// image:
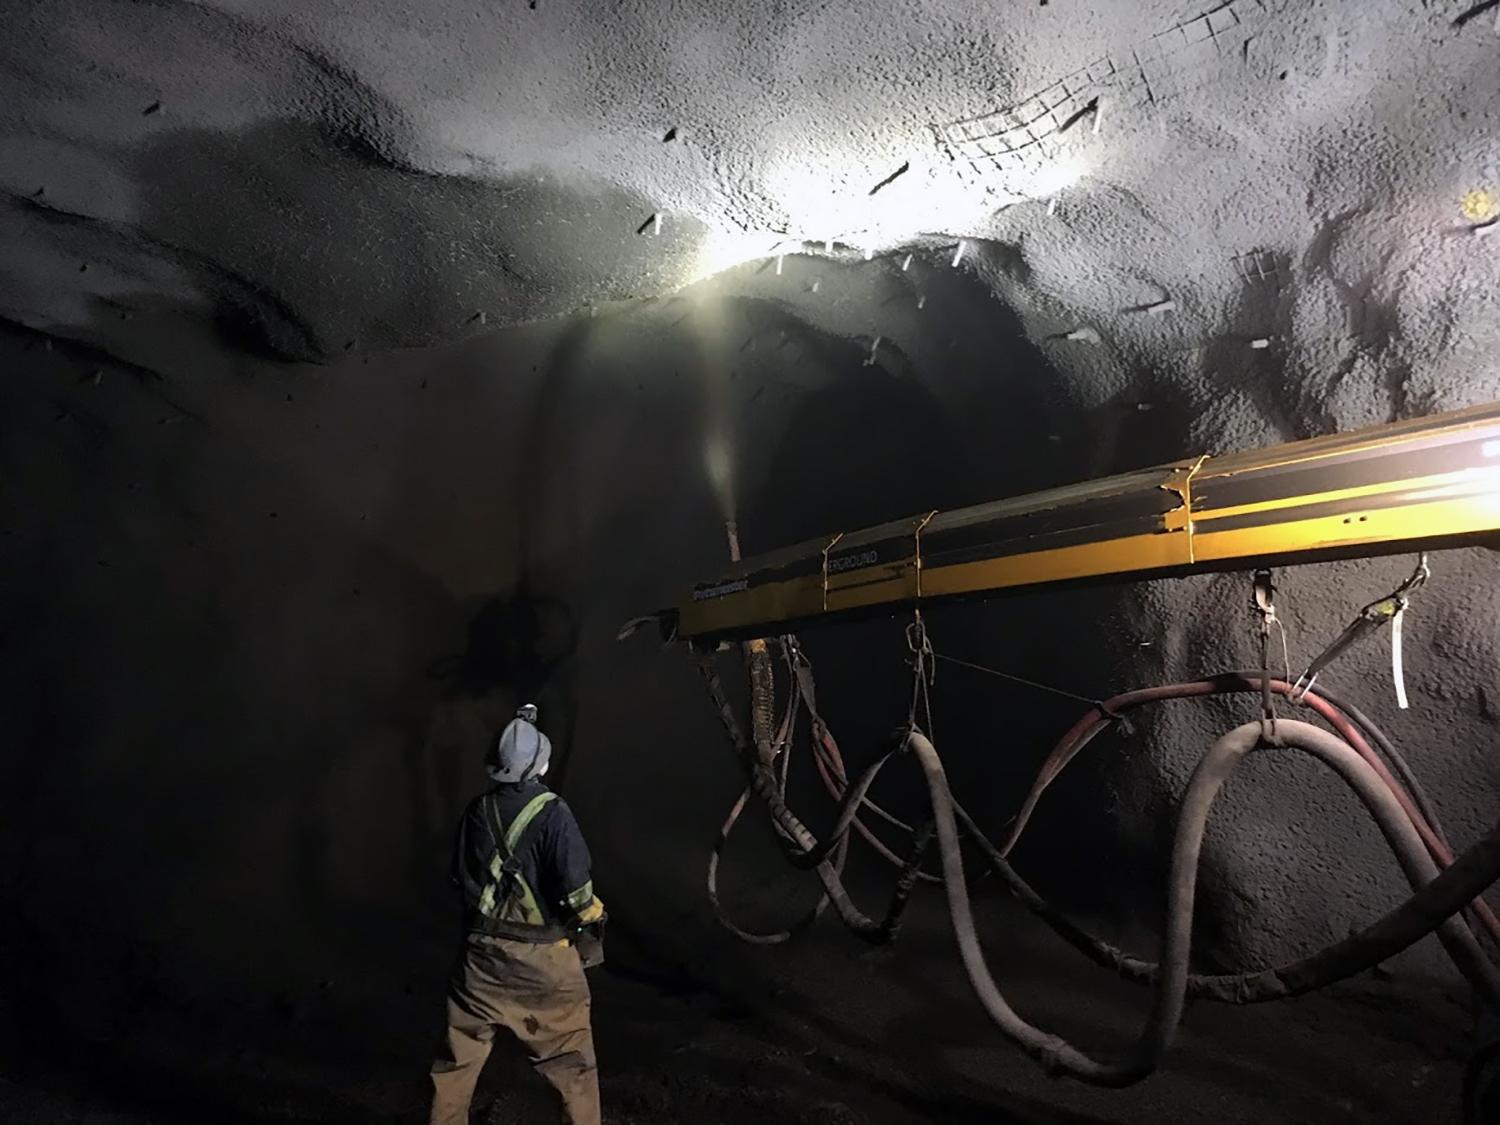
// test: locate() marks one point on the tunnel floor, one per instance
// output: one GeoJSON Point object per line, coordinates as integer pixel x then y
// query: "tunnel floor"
{"type": "Point", "coordinates": [757, 1036]}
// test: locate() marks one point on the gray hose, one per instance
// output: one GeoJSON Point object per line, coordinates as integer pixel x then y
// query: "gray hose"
{"type": "Point", "coordinates": [1393, 757]}
{"type": "Point", "coordinates": [880, 932]}
{"type": "Point", "coordinates": [762, 699]}
{"type": "Point", "coordinates": [849, 807]}
{"type": "Point", "coordinates": [1400, 928]}
{"type": "Point", "coordinates": [1056, 1054]}
{"type": "Point", "coordinates": [1433, 907]}
{"type": "Point", "coordinates": [796, 834]}
{"type": "Point", "coordinates": [1415, 860]}
{"type": "Point", "coordinates": [774, 937]}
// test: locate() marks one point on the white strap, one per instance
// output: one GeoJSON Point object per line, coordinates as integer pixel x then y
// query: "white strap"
{"type": "Point", "coordinates": [1397, 672]}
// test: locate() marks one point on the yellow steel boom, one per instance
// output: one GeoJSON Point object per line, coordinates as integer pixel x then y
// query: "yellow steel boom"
{"type": "Point", "coordinates": [1427, 483]}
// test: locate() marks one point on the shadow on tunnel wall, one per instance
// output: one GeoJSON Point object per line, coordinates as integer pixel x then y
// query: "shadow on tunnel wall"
{"type": "Point", "coordinates": [303, 721]}
{"type": "Point", "coordinates": [872, 446]}
{"type": "Point", "coordinates": [519, 648]}
{"type": "Point", "coordinates": [310, 240]}
{"type": "Point", "coordinates": [252, 713]}
{"type": "Point", "coordinates": [210, 661]}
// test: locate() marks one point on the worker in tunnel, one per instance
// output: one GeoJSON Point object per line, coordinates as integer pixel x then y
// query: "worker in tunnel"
{"type": "Point", "coordinates": [532, 925]}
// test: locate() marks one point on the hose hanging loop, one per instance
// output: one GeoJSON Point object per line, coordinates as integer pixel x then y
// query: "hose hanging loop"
{"type": "Point", "coordinates": [924, 672]}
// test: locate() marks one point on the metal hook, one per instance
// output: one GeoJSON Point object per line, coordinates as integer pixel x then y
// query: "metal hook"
{"type": "Point", "coordinates": [1367, 621]}
{"type": "Point", "coordinates": [1419, 576]}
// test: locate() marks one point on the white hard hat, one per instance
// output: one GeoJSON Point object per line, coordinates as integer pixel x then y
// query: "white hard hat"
{"type": "Point", "coordinates": [522, 752]}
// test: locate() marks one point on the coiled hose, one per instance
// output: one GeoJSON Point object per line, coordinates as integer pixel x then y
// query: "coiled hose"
{"type": "Point", "coordinates": [1432, 908]}
{"type": "Point", "coordinates": [1346, 958]}
{"type": "Point", "coordinates": [783, 745]}
{"type": "Point", "coordinates": [1394, 758]}
{"type": "Point", "coordinates": [762, 698]}
{"type": "Point", "coordinates": [828, 761]}
{"type": "Point", "coordinates": [799, 842]}
{"type": "Point", "coordinates": [1059, 1056]}
{"type": "Point", "coordinates": [1088, 727]}
{"type": "Point", "coordinates": [1397, 930]}
{"type": "Point", "coordinates": [830, 767]}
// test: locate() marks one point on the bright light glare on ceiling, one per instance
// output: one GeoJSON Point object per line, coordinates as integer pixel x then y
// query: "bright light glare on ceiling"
{"type": "Point", "coordinates": [823, 206]}
{"type": "Point", "coordinates": [724, 249]}
{"type": "Point", "coordinates": [1055, 176]}
{"type": "Point", "coordinates": [923, 200]}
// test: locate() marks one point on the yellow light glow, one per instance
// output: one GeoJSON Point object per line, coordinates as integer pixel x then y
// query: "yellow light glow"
{"type": "Point", "coordinates": [724, 249]}
{"type": "Point", "coordinates": [1478, 205]}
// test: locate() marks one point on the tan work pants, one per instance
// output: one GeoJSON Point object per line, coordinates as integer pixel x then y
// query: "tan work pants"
{"type": "Point", "coordinates": [537, 993]}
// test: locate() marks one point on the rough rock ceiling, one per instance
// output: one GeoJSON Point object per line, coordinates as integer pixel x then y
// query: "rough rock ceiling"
{"type": "Point", "coordinates": [1259, 219]}
{"type": "Point", "coordinates": [1293, 191]}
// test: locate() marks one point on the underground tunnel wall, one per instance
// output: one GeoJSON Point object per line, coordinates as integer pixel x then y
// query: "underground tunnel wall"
{"type": "Point", "coordinates": [261, 621]}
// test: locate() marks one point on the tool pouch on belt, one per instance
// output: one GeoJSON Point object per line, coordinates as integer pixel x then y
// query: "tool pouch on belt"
{"type": "Point", "coordinates": [589, 941]}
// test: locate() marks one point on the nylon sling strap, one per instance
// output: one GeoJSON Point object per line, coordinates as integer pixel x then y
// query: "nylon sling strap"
{"type": "Point", "coordinates": [506, 881]}
{"type": "Point", "coordinates": [1370, 619]}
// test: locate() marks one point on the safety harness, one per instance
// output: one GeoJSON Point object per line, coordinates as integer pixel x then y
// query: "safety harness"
{"type": "Point", "coordinates": [506, 898]}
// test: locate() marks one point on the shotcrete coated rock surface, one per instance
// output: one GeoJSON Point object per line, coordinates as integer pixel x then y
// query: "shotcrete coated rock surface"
{"type": "Point", "coordinates": [351, 394]}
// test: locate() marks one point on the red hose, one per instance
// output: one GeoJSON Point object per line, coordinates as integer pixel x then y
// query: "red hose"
{"type": "Point", "coordinates": [836, 781]}
{"type": "Point", "coordinates": [1083, 731]}
{"type": "Point", "coordinates": [1171, 978]}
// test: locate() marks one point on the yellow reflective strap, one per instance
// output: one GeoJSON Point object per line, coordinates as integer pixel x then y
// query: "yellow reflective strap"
{"type": "Point", "coordinates": [523, 819]}
{"type": "Point", "coordinates": [580, 898]}
{"type": "Point", "coordinates": [506, 848]}
{"type": "Point", "coordinates": [530, 912]}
